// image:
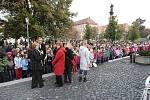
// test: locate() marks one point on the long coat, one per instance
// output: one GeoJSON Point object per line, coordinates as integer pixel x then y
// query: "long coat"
{"type": "Point", "coordinates": [68, 60]}
{"type": "Point", "coordinates": [35, 60]}
{"type": "Point", "coordinates": [84, 54]}
{"type": "Point", "coordinates": [59, 62]}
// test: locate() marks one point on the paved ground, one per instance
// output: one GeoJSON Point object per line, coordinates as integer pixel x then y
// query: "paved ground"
{"type": "Point", "coordinates": [117, 80]}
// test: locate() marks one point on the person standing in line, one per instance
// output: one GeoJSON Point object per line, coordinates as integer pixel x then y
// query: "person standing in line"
{"type": "Point", "coordinates": [10, 68]}
{"type": "Point", "coordinates": [132, 54]}
{"type": "Point", "coordinates": [24, 63]}
{"type": "Point", "coordinates": [36, 66]}
{"type": "Point", "coordinates": [59, 64]}
{"type": "Point", "coordinates": [84, 55]}
{"type": "Point", "coordinates": [18, 66]}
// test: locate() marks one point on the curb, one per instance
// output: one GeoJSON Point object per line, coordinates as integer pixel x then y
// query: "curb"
{"type": "Point", "coordinates": [22, 80]}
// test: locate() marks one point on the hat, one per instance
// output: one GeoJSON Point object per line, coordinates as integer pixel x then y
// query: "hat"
{"type": "Point", "coordinates": [9, 54]}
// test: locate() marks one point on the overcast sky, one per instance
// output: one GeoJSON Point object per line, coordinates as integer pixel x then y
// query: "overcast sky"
{"type": "Point", "coordinates": [126, 10]}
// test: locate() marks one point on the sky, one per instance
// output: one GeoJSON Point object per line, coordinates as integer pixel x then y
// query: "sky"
{"type": "Point", "coordinates": [126, 11]}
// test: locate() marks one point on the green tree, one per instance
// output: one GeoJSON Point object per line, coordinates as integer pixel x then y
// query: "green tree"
{"type": "Point", "coordinates": [47, 17]}
{"type": "Point", "coordinates": [139, 24]}
{"type": "Point", "coordinates": [134, 33]}
{"type": "Point", "coordinates": [94, 33]}
{"type": "Point", "coordinates": [113, 31]}
{"type": "Point", "coordinates": [90, 32]}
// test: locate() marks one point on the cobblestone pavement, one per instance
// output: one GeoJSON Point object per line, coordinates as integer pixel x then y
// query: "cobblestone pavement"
{"type": "Point", "coordinates": [119, 80]}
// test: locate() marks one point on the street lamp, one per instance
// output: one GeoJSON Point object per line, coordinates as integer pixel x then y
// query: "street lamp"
{"type": "Point", "coordinates": [30, 7]}
{"type": "Point", "coordinates": [27, 21]}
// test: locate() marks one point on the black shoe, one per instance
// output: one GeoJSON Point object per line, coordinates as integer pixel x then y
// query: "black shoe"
{"type": "Point", "coordinates": [65, 81]}
{"type": "Point", "coordinates": [84, 80]}
{"type": "Point", "coordinates": [43, 80]}
{"type": "Point", "coordinates": [80, 79]}
{"type": "Point", "coordinates": [56, 83]}
{"type": "Point", "coordinates": [41, 86]}
{"type": "Point", "coordinates": [32, 87]}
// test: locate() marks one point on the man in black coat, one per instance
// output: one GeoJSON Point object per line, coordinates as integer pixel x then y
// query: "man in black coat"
{"type": "Point", "coordinates": [68, 65]}
{"type": "Point", "coordinates": [36, 66]}
{"type": "Point", "coordinates": [42, 49]}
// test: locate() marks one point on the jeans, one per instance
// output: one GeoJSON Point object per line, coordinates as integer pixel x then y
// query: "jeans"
{"type": "Point", "coordinates": [83, 72]}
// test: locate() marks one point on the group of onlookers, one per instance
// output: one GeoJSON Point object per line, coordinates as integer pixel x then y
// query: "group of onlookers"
{"type": "Point", "coordinates": [62, 58]}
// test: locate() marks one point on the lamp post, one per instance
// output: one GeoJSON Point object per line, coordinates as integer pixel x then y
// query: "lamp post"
{"type": "Point", "coordinates": [27, 22]}
{"type": "Point", "coordinates": [27, 19]}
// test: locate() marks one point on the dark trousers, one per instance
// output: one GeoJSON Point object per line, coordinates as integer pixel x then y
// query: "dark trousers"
{"type": "Point", "coordinates": [59, 80]}
{"type": "Point", "coordinates": [2, 77]}
{"type": "Point", "coordinates": [24, 73]}
{"type": "Point", "coordinates": [11, 74]}
{"type": "Point", "coordinates": [132, 58]}
{"type": "Point", "coordinates": [68, 77]}
{"type": "Point", "coordinates": [37, 78]}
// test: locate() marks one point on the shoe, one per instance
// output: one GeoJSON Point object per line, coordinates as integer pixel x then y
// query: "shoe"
{"type": "Point", "coordinates": [56, 83]}
{"type": "Point", "coordinates": [65, 81]}
{"type": "Point", "coordinates": [41, 86]}
{"type": "Point", "coordinates": [84, 80]}
{"type": "Point", "coordinates": [80, 79]}
{"type": "Point", "coordinates": [32, 87]}
{"type": "Point", "coordinates": [43, 80]}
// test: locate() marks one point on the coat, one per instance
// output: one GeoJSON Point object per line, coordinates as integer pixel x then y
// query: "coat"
{"type": "Point", "coordinates": [59, 62]}
{"type": "Point", "coordinates": [35, 60]}
{"type": "Point", "coordinates": [68, 60]}
{"type": "Point", "coordinates": [84, 54]}
{"type": "Point", "coordinates": [17, 62]}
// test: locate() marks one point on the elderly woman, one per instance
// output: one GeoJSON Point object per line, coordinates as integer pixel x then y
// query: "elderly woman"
{"type": "Point", "coordinates": [36, 66]}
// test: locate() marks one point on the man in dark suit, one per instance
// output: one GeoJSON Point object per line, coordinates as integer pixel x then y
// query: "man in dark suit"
{"type": "Point", "coordinates": [42, 49]}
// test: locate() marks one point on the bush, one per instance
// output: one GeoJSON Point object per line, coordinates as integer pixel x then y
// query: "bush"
{"type": "Point", "coordinates": [3, 64]}
{"type": "Point", "coordinates": [144, 53]}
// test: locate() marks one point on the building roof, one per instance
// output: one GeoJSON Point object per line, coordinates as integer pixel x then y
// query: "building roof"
{"type": "Point", "coordinates": [85, 21]}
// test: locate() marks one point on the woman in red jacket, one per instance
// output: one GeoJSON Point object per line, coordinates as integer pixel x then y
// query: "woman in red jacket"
{"type": "Point", "coordinates": [59, 63]}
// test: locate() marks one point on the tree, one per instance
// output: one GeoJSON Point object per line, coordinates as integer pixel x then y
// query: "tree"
{"type": "Point", "coordinates": [113, 31]}
{"type": "Point", "coordinates": [147, 31]}
{"type": "Point", "coordinates": [134, 33]}
{"type": "Point", "coordinates": [139, 24]}
{"type": "Point", "coordinates": [90, 32]}
{"type": "Point", "coordinates": [47, 17]}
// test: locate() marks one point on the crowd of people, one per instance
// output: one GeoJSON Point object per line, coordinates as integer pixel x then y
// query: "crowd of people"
{"type": "Point", "coordinates": [61, 58]}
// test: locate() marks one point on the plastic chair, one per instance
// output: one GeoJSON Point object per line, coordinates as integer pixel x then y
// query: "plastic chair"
{"type": "Point", "coordinates": [146, 93]}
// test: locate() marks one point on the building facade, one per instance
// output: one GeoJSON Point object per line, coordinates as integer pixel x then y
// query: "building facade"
{"type": "Point", "coordinates": [81, 24]}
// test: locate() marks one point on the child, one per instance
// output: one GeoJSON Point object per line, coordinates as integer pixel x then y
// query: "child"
{"type": "Point", "coordinates": [18, 66]}
{"type": "Point", "coordinates": [24, 63]}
